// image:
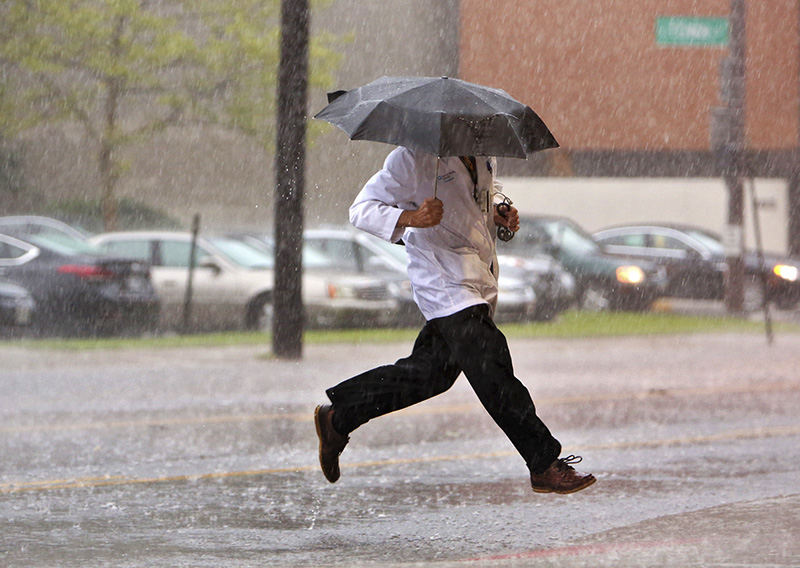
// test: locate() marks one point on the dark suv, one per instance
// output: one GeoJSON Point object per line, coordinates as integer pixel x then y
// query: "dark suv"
{"type": "Point", "coordinates": [604, 282]}
{"type": "Point", "coordinates": [696, 266]}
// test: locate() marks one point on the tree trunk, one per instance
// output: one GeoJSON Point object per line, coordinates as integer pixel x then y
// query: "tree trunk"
{"type": "Point", "coordinates": [108, 202]}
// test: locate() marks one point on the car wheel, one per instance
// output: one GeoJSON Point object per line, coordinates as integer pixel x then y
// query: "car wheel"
{"type": "Point", "coordinates": [595, 298]}
{"type": "Point", "coordinates": [753, 295]}
{"type": "Point", "coordinates": [260, 314]}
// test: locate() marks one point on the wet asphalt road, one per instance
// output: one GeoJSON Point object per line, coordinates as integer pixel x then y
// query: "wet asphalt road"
{"type": "Point", "coordinates": [207, 457]}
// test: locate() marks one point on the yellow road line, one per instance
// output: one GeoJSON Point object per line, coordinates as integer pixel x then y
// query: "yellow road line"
{"type": "Point", "coordinates": [105, 481]}
{"type": "Point", "coordinates": [425, 409]}
{"type": "Point", "coordinates": [191, 420]}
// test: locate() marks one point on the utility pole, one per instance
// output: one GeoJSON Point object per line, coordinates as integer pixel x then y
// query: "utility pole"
{"type": "Point", "coordinates": [728, 143]}
{"type": "Point", "coordinates": [793, 189]}
{"type": "Point", "coordinates": [287, 325]}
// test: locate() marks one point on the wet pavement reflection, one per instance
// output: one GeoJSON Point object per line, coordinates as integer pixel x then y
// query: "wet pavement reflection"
{"type": "Point", "coordinates": [186, 457]}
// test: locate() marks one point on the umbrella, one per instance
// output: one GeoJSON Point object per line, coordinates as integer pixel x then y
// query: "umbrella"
{"type": "Point", "coordinates": [439, 115]}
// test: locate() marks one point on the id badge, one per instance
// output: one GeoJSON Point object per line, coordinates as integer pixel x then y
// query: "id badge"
{"type": "Point", "coordinates": [483, 199]}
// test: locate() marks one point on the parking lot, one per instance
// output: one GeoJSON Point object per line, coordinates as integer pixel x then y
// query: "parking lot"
{"type": "Point", "coordinates": [201, 457]}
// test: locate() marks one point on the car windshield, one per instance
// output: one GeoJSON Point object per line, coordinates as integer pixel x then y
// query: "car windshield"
{"type": "Point", "coordinates": [312, 258]}
{"type": "Point", "coordinates": [242, 253]}
{"type": "Point", "coordinates": [568, 236]}
{"type": "Point", "coordinates": [60, 243]}
{"type": "Point", "coordinates": [315, 259]}
{"type": "Point", "coordinates": [711, 242]}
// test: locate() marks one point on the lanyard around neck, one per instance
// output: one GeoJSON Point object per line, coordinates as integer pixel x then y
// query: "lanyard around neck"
{"type": "Point", "coordinates": [472, 167]}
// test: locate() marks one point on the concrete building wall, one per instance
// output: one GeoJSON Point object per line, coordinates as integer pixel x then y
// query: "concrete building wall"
{"type": "Point", "coordinates": [595, 203]}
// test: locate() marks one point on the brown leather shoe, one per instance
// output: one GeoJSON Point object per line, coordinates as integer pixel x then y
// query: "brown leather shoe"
{"type": "Point", "coordinates": [331, 443]}
{"type": "Point", "coordinates": [561, 477]}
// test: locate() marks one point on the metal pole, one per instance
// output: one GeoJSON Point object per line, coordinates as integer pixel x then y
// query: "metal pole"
{"type": "Point", "coordinates": [187, 297]}
{"type": "Point", "coordinates": [734, 91]}
{"type": "Point", "coordinates": [287, 327]}
{"type": "Point", "coordinates": [793, 185]}
{"type": "Point", "coordinates": [761, 263]}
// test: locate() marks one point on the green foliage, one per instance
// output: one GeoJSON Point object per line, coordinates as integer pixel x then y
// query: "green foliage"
{"type": "Point", "coordinates": [11, 182]}
{"type": "Point", "coordinates": [242, 50]}
{"type": "Point", "coordinates": [79, 59]}
{"type": "Point", "coordinates": [127, 69]}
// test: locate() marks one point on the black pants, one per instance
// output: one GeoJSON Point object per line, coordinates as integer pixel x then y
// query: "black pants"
{"type": "Point", "coordinates": [467, 341]}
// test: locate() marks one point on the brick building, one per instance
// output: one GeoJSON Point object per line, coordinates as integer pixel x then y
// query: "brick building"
{"type": "Point", "coordinates": [624, 98]}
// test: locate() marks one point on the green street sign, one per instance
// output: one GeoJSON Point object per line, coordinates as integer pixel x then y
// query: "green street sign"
{"type": "Point", "coordinates": [684, 30]}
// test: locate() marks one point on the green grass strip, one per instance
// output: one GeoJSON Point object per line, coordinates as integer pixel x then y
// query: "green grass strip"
{"type": "Point", "coordinates": [571, 324]}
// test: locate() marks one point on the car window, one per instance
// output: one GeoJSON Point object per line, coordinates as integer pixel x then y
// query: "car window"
{"type": "Point", "coordinates": [711, 242]}
{"type": "Point", "coordinates": [313, 258]}
{"type": "Point", "coordinates": [176, 253]}
{"type": "Point", "coordinates": [8, 251]}
{"type": "Point", "coordinates": [570, 238]}
{"type": "Point", "coordinates": [667, 242]}
{"type": "Point", "coordinates": [239, 253]}
{"type": "Point", "coordinates": [632, 240]}
{"type": "Point", "coordinates": [369, 258]}
{"type": "Point", "coordinates": [130, 249]}
{"type": "Point", "coordinates": [341, 251]}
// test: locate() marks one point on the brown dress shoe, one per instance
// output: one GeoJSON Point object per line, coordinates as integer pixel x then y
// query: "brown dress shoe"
{"type": "Point", "coordinates": [561, 477]}
{"type": "Point", "coordinates": [331, 443]}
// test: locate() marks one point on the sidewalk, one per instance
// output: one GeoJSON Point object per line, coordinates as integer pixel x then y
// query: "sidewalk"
{"type": "Point", "coordinates": [716, 308]}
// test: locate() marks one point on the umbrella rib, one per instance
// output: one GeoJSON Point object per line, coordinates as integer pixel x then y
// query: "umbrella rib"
{"type": "Point", "coordinates": [501, 96]}
{"type": "Point", "coordinates": [421, 85]}
{"type": "Point", "coordinates": [463, 90]}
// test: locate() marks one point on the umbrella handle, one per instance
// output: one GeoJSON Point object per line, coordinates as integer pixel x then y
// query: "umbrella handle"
{"type": "Point", "coordinates": [436, 180]}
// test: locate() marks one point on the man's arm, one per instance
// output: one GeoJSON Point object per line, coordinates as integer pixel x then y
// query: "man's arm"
{"type": "Point", "coordinates": [383, 207]}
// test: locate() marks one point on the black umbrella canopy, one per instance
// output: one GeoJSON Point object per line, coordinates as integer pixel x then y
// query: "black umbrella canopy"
{"type": "Point", "coordinates": [439, 115]}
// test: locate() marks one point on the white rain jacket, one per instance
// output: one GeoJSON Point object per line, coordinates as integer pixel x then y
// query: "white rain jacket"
{"type": "Point", "coordinates": [453, 265]}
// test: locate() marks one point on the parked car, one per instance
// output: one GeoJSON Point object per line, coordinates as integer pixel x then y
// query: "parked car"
{"type": "Point", "coordinates": [365, 254]}
{"type": "Point", "coordinates": [20, 225]}
{"type": "Point", "coordinates": [16, 308]}
{"type": "Point", "coordinates": [357, 250]}
{"type": "Point", "coordinates": [555, 286]}
{"type": "Point", "coordinates": [317, 263]}
{"type": "Point", "coordinates": [77, 288]}
{"type": "Point", "coordinates": [233, 283]}
{"type": "Point", "coordinates": [603, 281]}
{"type": "Point", "coordinates": [694, 259]}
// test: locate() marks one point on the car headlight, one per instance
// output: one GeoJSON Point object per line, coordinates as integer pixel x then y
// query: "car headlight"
{"type": "Point", "coordinates": [630, 275]}
{"type": "Point", "coordinates": [785, 271]}
{"type": "Point", "coordinates": [341, 291]}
